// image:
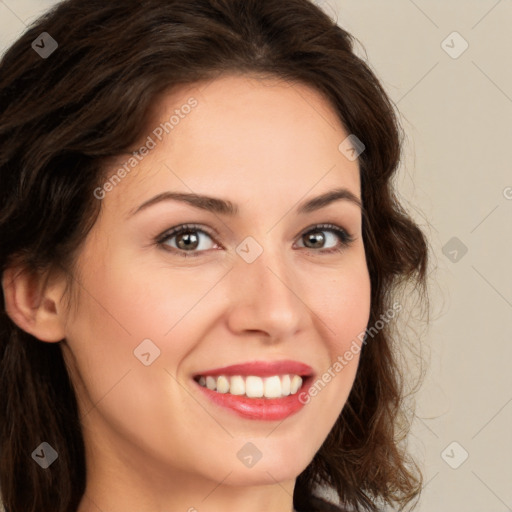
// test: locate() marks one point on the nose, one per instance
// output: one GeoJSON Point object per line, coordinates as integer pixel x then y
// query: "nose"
{"type": "Point", "coordinates": [265, 296]}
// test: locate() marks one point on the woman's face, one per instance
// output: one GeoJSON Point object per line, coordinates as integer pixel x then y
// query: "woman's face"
{"type": "Point", "coordinates": [258, 285]}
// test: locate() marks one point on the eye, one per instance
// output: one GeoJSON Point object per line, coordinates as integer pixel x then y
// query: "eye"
{"type": "Point", "coordinates": [317, 239]}
{"type": "Point", "coordinates": [187, 239]}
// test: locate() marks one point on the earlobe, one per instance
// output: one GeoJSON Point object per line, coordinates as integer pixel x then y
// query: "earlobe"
{"type": "Point", "coordinates": [33, 303]}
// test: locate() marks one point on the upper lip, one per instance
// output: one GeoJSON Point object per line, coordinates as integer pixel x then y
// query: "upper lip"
{"type": "Point", "coordinates": [262, 369]}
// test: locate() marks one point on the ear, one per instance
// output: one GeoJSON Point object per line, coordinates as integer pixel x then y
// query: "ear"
{"type": "Point", "coordinates": [34, 303]}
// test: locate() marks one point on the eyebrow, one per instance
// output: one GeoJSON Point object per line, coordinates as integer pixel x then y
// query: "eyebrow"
{"type": "Point", "coordinates": [225, 207]}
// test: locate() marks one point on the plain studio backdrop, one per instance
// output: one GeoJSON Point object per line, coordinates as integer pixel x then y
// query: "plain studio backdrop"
{"type": "Point", "coordinates": [447, 67]}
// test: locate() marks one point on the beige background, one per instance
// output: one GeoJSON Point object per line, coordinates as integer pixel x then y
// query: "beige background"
{"type": "Point", "coordinates": [457, 177]}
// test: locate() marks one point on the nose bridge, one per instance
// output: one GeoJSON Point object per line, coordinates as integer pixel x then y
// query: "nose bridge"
{"type": "Point", "coordinates": [266, 296]}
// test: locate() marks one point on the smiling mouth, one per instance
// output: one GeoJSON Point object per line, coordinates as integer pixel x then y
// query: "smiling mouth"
{"type": "Point", "coordinates": [252, 386]}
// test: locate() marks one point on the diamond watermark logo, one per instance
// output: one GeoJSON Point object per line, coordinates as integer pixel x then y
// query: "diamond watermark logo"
{"type": "Point", "coordinates": [454, 45]}
{"type": "Point", "coordinates": [44, 45]}
{"type": "Point", "coordinates": [45, 455]}
{"type": "Point", "coordinates": [249, 250]}
{"type": "Point", "coordinates": [351, 147]}
{"type": "Point", "coordinates": [249, 455]}
{"type": "Point", "coordinates": [454, 250]}
{"type": "Point", "coordinates": [146, 352]}
{"type": "Point", "coordinates": [454, 455]}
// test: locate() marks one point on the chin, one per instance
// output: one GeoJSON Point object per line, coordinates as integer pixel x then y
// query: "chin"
{"type": "Point", "coordinates": [273, 466]}
{"type": "Point", "coordinates": [266, 475]}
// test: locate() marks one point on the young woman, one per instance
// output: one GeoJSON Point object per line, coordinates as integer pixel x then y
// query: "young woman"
{"type": "Point", "coordinates": [200, 249]}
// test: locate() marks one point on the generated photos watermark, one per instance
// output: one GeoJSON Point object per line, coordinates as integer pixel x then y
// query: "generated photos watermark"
{"type": "Point", "coordinates": [157, 135]}
{"type": "Point", "coordinates": [343, 360]}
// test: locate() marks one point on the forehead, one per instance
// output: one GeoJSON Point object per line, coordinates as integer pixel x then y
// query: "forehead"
{"type": "Point", "coordinates": [237, 135]}
{"type": "Point", "coordinates": [240, 106]}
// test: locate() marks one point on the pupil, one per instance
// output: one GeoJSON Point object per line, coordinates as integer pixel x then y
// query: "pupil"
{"type": "Point", "coordinates": [319, 237]}
{"type": "Point", "coordinates": [185, 240]}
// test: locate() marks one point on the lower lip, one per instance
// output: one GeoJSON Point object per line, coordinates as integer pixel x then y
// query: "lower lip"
{"type": "Point", "coordinates": [267, 409]}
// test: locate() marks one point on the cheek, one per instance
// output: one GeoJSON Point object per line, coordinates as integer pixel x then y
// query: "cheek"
{"type": "Point", "coordinates": [344, 309]}
{"type": "Point", "coordinates": [349, 314]}
{"type": "Point", "coordinates": [121, 307]}
{"type": "Point", "coordinates": [108, 339]}
{"type": "Point", "coordinates": [133, 302]}
{"type": "Point", "coordinates": [344, 305]}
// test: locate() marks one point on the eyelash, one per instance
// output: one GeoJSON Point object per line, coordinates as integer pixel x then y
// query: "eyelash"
{"type": "Point", "coordinates": [345, 237]}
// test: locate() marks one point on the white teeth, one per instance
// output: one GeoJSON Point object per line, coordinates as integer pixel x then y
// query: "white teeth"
{"type": "Point", "coordinates": [276, 386]}
{"type": "Point", "coordinates": [254, 387]}
{"type": "Point", "coordinates": [272, 387]}
{"type": "Point", "coordinates": [237, 385]}
{"type": "Point", "coordinates": [285, 385]}
{"type": "Point", "coordinates": [211, 383]}
{"type": "Point", "coordinates": [222, 384]}
{"type": "Point", "coordinates": [295, 384]}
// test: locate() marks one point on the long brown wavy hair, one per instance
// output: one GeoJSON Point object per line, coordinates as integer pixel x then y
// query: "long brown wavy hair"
{"type": "Point", "coordinates": [62, 116]}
